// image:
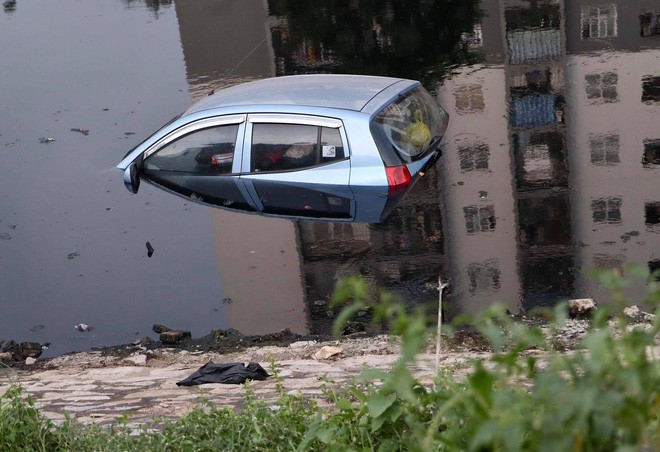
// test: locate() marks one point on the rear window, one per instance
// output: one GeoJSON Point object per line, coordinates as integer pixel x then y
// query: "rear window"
{"type": "Point", "coordinates": [408, 126]}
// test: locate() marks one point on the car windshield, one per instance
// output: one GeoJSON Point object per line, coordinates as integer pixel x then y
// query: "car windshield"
{"type": "Point", "coordinates": [411, 123]}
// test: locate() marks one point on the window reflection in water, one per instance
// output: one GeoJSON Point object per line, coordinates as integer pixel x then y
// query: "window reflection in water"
{"type": "Point", "coordinates": [599, 21]}
{"type": "Point", "coordinates": [651, 89]}
{"type": "Point", "coordinates": [651, 155]}
{"type": "Point", "coordinates": [479, 219]}
{"type": "Point", "coordinates": [609, 261]}
{"type": "Point", "coordinates": [543, 220]}
{"type": "Point", "coordinates": [484, 276]}
{"type": "Point", "coordinates": [606, 210]}
{"type": "Point", "coordinates": [604, 149]}
{"type": "Point", "coordinates": [533, 34]}
{"type": "Point", "coordinates": [601, 88]}
{"type": "Point", "coordinates": [649, 24]}
{"type": "Point", "coordinates": [540, 159]}
{"type": "Point", "coordinates": [547, 278]}
{"type": "Point", "coordinates": [469, 99]}
{"type": "Point", "coordinates": [473, 39]}
{"type": "Point", "coordinates": [473, 157]}
{"type": "Point", "coordinates": [652, 214]}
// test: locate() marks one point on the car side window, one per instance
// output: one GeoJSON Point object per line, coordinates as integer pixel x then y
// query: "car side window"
{"type": "Point", "coordinates": [208, 151]}
{"type": "Point", "coordinates": [284, 147]}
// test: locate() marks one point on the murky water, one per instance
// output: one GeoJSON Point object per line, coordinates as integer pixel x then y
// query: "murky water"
{"type": "Point", "coordinates": [551, 161]}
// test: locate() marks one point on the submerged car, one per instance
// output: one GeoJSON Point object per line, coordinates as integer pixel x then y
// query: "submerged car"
{"type": "Point", "coordinates": [334, 147]}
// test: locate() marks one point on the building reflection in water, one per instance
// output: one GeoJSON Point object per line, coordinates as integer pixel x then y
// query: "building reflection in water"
{"type": "Point", "coordinates": [551, 161]}
{"type": "Point", "coordinates": [258, 257]}
{"type": "Point", "coordinates": [613, 66]}
{"type": "Point", "coordinates": [581, 125]}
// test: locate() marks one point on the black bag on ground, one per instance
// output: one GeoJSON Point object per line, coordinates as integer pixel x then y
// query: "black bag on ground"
{"type": "Point", "coordinates": [230, 373]}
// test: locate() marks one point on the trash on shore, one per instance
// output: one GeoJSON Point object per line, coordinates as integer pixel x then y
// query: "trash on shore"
{"type": "Point", "coordinates": [327, 352]}
{"type": "Point", "coordinates": [230, 373]}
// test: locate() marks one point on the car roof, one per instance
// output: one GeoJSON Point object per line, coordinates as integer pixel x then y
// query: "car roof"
{"type": "Point", "coordinates": [348, 92]}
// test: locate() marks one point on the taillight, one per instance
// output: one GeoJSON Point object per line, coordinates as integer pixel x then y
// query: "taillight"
{"type": "Point", "coordinates": [398, 177]}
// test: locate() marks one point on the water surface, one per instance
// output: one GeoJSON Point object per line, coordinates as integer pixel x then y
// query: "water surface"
{"type": "Point", "coordinates": [551, 161]}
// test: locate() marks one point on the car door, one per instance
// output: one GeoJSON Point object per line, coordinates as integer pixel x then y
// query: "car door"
{"type": "Point", "coordinates": [201, 161]}
{"type": "Point", "coordinates": [298, 165]}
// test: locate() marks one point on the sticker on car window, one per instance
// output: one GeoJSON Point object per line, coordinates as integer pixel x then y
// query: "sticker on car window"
{"type": "Point", "coordinates": [329, 151]}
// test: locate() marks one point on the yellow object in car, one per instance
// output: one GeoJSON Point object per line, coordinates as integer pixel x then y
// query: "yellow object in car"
{"type": "Point", "coordinates": [418, 133]}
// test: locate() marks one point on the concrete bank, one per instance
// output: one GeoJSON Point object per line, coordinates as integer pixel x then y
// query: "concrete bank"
{"type": "Point", "coordinates": [97, 388]}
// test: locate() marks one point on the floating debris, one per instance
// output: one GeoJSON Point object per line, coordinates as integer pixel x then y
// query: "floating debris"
{"type": "Point", "coordinates": [226, 300]}
{"type": "Point", "coordinates": [73, 255]}
{"type": "Point", "coordinates": [36, 328]}
{"type": "Point", "coordinates": [4, 236]}
{"type": "Point", "coordinates": [46, 140]}
{"type": "Point", "coordinates": [150, 249]}
{"type": "Point", "coordinates": [83, 131]}
{"type": "Point", "coordinates": [129, 133]}
{"type": "Point", "coordinates": [83, 327]}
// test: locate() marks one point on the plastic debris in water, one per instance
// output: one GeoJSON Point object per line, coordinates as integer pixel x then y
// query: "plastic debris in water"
{"type": "Point", "coordinates": [73, 255]}
{"type": "Point", "coordinates": [46, 140]}
{"type": "Point", "coordinates": [150, 249]}
{"type": "Point", "coordinates": [83, 327]}
{"type": "Point", "coordinates": [83, 131]}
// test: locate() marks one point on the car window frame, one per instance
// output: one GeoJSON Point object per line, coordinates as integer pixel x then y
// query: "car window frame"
{"type": "Point", "coordinates": [292, 119]}
{"type": "Point", "coordinates": [201, 124]}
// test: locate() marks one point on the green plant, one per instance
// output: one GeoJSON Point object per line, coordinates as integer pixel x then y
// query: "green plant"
{"type": "Point", "coordinates": [601, 397]}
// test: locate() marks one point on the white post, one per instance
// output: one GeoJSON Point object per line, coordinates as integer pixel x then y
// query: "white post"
{"type": "Point", "coordinates": [441, 287]}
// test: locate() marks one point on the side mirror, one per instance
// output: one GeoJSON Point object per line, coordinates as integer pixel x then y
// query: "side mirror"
{"type": "Point", "coordinates": [132, 178]}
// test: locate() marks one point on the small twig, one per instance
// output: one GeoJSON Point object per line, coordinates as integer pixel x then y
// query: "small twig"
{"type": "Point", "coordinates": [441, 287]}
